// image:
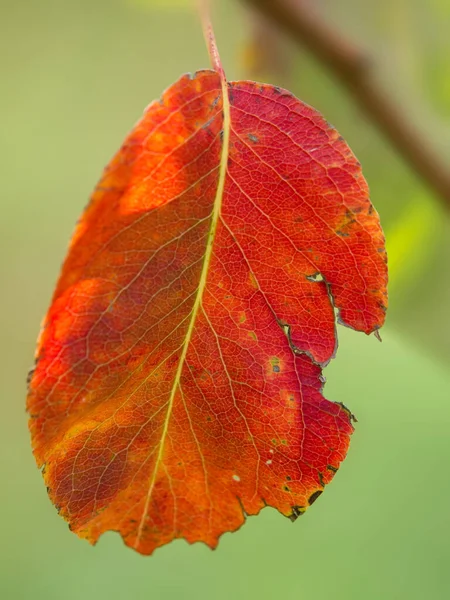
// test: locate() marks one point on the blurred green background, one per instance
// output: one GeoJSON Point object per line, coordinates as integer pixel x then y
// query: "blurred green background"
{"type": "Point", "coordinates": [75, 77]}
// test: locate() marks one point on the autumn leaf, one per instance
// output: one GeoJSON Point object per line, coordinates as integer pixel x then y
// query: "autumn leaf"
{"type": "Point", "coordinates": [178, 383]}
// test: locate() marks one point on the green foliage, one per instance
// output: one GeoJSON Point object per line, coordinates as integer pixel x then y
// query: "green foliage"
{"type": "Point", "coordinates": [162, 5]}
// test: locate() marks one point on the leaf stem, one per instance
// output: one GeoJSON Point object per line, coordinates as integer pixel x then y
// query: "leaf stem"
{"type": "Point", "coordinates": [210, 38]}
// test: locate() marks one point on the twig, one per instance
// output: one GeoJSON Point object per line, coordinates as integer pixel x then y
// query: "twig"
{"type": "Point", "coordinates": [353, 69]}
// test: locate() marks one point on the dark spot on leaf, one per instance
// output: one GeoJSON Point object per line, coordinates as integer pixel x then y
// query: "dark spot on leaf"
{"type": "Point", "coordinates": [208, 123]}
{"type": "Point", "coordinates": [332, 469]}
{"type": "Point", "coordinates": [241, 505]}
{"type": "Point", "coordinates": [286, 489]}
{"type": "Point", "coordinates": [297, 511]}
{"type": "Point", "coordinates": [288, 478]}
{"type": "Point", "coordinates": [30, 375]}
{"type": "Point", "coordinates": [253, 138]}
{"type": "Point", "coordinates": [348, 411]}
{"type": "Point", "coordinates": [276, 369]}
{"type": "Point", "coordinates": [341, 233]}
{"type": "Point", "coordinates": [314, 497]}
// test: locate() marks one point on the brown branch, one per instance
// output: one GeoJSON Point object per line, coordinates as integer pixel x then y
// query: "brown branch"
{"type": "Point", "coordinates": [352, 68]}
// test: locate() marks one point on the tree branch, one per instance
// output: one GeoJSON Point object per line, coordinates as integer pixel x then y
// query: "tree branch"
{"type": "Point", "coordinates": [353, 69]}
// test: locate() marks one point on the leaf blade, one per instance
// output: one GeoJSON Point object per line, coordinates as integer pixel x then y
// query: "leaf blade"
{"type": "Point", "coordinates": [178, 386]}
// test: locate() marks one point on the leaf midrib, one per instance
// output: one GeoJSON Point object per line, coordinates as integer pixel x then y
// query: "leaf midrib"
{"type": "Point", "coordinates": [198, 299]}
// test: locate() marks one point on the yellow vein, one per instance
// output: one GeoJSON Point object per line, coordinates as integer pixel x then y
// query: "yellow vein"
{"type": "Point", "coordinates": [202, 284]}
{"type": "Point", "coordinates": [202, 457]}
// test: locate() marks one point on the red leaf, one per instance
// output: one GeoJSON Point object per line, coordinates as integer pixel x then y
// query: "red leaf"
{"type": "Point", "coordinates": [177, 385]}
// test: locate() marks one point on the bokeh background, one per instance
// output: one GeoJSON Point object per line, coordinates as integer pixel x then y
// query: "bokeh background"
{"type": "Point", "coordinates": [75, 76]}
